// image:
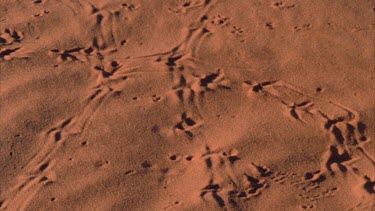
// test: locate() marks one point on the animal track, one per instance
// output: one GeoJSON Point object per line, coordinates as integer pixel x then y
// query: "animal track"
{"type": "Point", "coordinates": [307, 207]}
{"type": "Point", "coordinates": [74, 54]}
{"type": "Point", "coordinates": [188, 5]}
{"type": "Point", "coordinates": [226, 186]}
{"type": "Point", "coordinates": [337, 158]}
{"type": "Point", "coordinates": [369, 185]}
{"type": "Point", "coordinates": [174, 157]}
{"type": "Point", "coordinates": [220, 21]}
{"type": "Point", "coordinates": [192, 88]}
{"type": "Point", "coordinates": [296, 108]}
{"type": "Point", "coordinates": [281, 177]}
{"type": "Point", "coordinates": [315, 192]}
{"type": "Point", "coordinates": [108, 69]}
{"type": "Point", "coordinates": [9, 36]}
{"type": "Point", "coordinates": [42, 13]}
{"type": "Point", "coordinates": [236, 31]}
{"type": "Point", "coordinates": [40, 167]}
{"type": "Point", "coordinates": [39, 1]}
{"type": "Point", "coordinates": [11, 53]}
{"type": "Point", "coordinates": [130, 7]}
{"type": "Point", "coordinates": [269, 25]}
{"type": "Point", "coordinates": [103, 27]}
{"type": "Point", "coordinates": [282, 5]}
{"type": "Point", "coordinates": [229, 189]}
{"type": "Point", "coordinates": [344, 131]}
{"type": "Point", "coordinates": [303, 27]}
{"type": "Point", "coordinates": [186, 124]}
{"type": "Point", "coordinates": [315, 177]}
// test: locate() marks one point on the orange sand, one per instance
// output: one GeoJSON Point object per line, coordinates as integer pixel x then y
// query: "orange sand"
{"type": "Point", "coordinates": [187, 105]}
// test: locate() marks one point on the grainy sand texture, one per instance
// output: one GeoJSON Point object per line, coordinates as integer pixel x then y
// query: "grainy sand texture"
{"type": "Point", "coordinates": [187, 105]}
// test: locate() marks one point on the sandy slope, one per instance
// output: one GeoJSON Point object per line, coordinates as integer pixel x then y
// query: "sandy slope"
{"type": "Point", "coordinates": [187, 105]}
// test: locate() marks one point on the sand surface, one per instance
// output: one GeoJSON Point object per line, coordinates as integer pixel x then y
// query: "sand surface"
{"type": "Point", "coordinates": [187, 105]}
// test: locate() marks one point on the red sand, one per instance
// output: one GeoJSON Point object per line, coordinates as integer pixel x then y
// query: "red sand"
{"type": "Point", "coordinates": [187, 105]}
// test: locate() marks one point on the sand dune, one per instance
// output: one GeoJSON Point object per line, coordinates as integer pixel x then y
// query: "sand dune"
{"type": "Point", "coordinates": [187, 105]}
